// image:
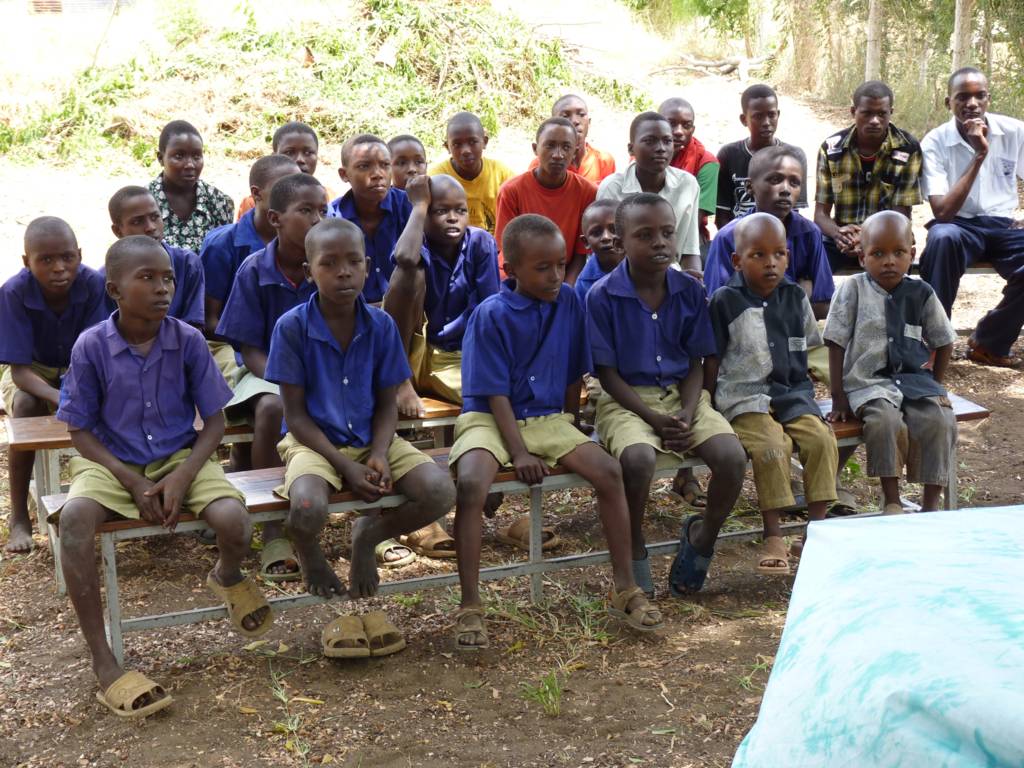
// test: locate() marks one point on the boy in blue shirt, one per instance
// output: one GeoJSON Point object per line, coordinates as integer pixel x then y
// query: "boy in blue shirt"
{"type": "Point", "coordinates": [130, 399]}
{"type": "Point", "coordinates": [524, 356]}
{"type": "Point", "coordinates": [764, 326]}
{"type": "Point", "coordinates": [133, 211]}
{"type": "Point", "coordinates": [373, 205]}
{"type": "Point", "coordinates": [43, 309]}
{"type": "Point", "coordinates": [338, 362]}
{"type": "Point", "coordinates": [268, 284]}
{"type": "Point", "coordinates": [598, 227]}
{"type": "Point", "coordinates": [649, 332]}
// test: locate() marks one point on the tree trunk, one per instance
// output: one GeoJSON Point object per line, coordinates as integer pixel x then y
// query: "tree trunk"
{"type": "Point", "coordinates": [873, 54]}
{"type": "Point", "coordinates": [963, 28]}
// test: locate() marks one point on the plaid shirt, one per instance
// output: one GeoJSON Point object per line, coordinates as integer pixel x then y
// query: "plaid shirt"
{"type": "Point", "coordinates": [855, 194]}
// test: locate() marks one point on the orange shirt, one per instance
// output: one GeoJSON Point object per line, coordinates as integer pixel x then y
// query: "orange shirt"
{"type": "Point", "coordinates": [594, 166]}
{"type": "Point", "coordinates": [248, 203]}
{"type": "Point", "coordinates": [564, 206]}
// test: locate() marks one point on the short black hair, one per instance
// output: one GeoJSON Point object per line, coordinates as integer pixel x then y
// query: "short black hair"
{"type": "Point", "coordinates": [757, 91]}
{"type": "Point", "coordinates": [746, 223]}
{"type": "Point", "coordinates": [176, 128]}
{"type": "Point", "coordinates": [604, 203]}
{"type": "Point", "coordinates": [523, 227]}
{"type": "Point", "coordinates": [881, 217]}
{"type": "Point", "coordinates": [560, 121]}
{"type": "Point", "coordinates": [329, 227]}
{"type": "Point", "coordinates": [266, 166]}
{"type": "Point", "coordinates": [123, 252]}
{"type": "Point", "coordinates": [47, 225]}
{"type": "Point", "coordinates": [963, 71]}
{"type": "Point", "coordinates": [464, 118]}
{"type": "Point", "coordinates": [293, 126]}
{"type": "Point", "coordinates": [355, 141]}
{"type": "Point", "coordinates": [873, 89]}
{"type": "Point", "coordinates": [645, 117]}
{"type": "Point", "coordinates": [285, 190]}
{"type": "Point", "coordinates": [115, 207]}
{"type": "Point", "coordinates": [566, 97]}
{"type": "Point", "coordinates": [765, 159]}
{"type": "Point", "coordinates": [402, 137]}
{"type": "Point", "coordinates": [676, 102]}
{"type": "Point", "coordinates": [641, 199]}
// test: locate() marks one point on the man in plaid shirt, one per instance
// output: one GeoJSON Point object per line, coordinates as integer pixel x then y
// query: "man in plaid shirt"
{"type": "Point", "coordinates": [869, 167]}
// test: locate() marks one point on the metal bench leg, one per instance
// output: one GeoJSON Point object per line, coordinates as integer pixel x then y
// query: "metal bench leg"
{"type": "Point", "coordinates": [438, 434]}
{"type": "Point", "coordinates": [536, 543]}
{"type": "Point", "coordinates": [113, 598]}
{"type": "Point", "coordinates": [46, 472]}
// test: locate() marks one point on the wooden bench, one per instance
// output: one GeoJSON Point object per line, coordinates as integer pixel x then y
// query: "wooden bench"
{"type": "Point", "coordinates": [258, 488]}
{"type": "Point", "coordinates": [49, 437]}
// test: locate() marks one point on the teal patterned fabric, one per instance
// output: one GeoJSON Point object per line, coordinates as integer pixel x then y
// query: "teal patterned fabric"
{"type": "Point", "coordinates": [903, 647]}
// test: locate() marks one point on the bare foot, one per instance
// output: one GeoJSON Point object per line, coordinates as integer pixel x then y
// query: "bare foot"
{"type": "Point", "coordinates": [320, 578]}
{"type": "Point", "coordinates": [20, 539]}
{"type": "Point", "coordinates": [362, 575]}
{"type": "Point", "coordinates": [409, 404]}
{"type": "Point", "coordinates": [228, 578]}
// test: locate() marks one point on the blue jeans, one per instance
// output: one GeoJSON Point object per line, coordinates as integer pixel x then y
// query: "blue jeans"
{"type": "Point", "coordinates": [952, 247]}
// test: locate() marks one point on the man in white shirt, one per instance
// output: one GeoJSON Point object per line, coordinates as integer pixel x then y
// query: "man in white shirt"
{"type": "Point", "coordinates": [971, 166]}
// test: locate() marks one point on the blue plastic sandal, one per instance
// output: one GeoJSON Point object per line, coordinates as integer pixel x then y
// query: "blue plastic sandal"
{"type": "Point", "coordinates": [689, 569]}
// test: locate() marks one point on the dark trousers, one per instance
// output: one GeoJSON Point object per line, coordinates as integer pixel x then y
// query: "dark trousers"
{"type": "Point", "coordinates": [952, 247]}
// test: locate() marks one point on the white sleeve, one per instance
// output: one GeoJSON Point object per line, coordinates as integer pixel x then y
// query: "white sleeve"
{"type": "Point", "coordinates": [934, 178]}
{"type": "Point", "coordinates": [689, 238]}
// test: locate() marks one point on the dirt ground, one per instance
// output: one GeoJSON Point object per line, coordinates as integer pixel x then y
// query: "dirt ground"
{"type": "Point", "coordinates": [685, 697]}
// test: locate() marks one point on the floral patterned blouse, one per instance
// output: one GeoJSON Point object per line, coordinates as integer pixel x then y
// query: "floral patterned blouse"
{"type": "Point", "coordinates": [213, 208]}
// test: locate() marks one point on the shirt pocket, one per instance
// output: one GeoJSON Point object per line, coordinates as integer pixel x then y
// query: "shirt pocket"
{"type": "Point", "coordinates": [1006, 166]}
{"type": "Point", "coordinates": [912, 331]}
{"type": "Point", "coordinates": [797, 344]}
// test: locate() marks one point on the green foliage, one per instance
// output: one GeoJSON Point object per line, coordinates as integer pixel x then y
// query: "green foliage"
{"type": "Point", "coordinates": [396, 66]}
{"type": "Point", "coordinates": [547, 692]}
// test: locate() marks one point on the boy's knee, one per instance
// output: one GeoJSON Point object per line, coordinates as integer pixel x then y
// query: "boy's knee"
{"type": "Point", "coordinates": [944, 234]}
{"type": "Point", "coordinates": [25, 405]}
{"type": "Point", "coordinates": [268, 410]}
{"type": "Point", "coordinates": [471, 488]}
{"type": "Point", "coordinates": [607, 473]}
{"type": "Point", "coordinates": [77, 524]}
{"type": "Point", "coordinates": [637, 462]}
{"type": "Point", "coordinates": [307, 512]}
{"type": "Point", "coordinates": [726, 458]}
{"type": "Point", "coordinates": [230, 520]}
{"type": "Point", "coordinates": [437, 491]}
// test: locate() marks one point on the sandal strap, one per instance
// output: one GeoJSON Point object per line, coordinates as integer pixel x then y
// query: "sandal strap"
{"type": "Point", "coordinates": [344, 628]}
{"type": "Point", "coordinates": [378, 626]}
{"type": "Point", "coordinates": [129, 687]}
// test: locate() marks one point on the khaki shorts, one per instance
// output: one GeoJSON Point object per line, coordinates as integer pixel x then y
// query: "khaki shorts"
{"type": "Point", "coordinates": [620, 428]}
{"type": "Point", "coordinates": [224, 356]}
{"type": "Point", "coordinates": [434, 371]}
{"type": "Point", "coordinates": [817, 364]}
{"type": "Point", "coordinates": [90, 480]}
{"type": "Point", "coordinates": [8, 389]}
{"type": "Point", "coordinates": [548, 437]}
{"type": "Point", "coordinates": [302, 460]}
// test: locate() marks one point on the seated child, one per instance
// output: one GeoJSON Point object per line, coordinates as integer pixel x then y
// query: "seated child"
{"type": "Point", "coordinates": [649, 332]}
{"type": "Point", "coordinates": [268, 284]}
{"type": "Point", "coordinates": [299, 143]}
{"type": "Point", "coordinates": [408, 159]}
{"type": "Point", "coordinates": [373, 205]}
{"type": "Point", "coordinates": [130, 399]}
{"type": "Point", "coordinates": [551, 191]}
{"type": "Point", "coordinates": [763, 328]}
{"type": "Point", "coordinates": [338, 362]}
{"type": "Point", "coordinates": [760, 116]}
{"type": "Point", "coordinates": [133, 211]}
{"type": "Point", "coordinates": [691, 156]}
{"type": "Point", "coordinates": [189, 206]}
{"type": "Point", "coordinates": [588, 161]}
{"type": "Point", "coordinates": [481, 177]}
{"type": "Point", "coordinates": [880, 332]}
{"type": "Point", "coordinates": [525, 353]}
{"type": "Point", "coordinates": [43, 309]}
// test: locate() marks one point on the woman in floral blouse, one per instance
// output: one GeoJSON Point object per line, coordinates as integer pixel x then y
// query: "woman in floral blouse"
{"type": "Point", "coordinates": [190, 207]}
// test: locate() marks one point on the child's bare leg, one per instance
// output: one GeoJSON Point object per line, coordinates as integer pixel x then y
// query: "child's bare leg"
{"type": "Point", "coordinates": [404, 302]}
{"type": "Point", "coordinates": [307, 515]}
{"type": "Point", "coordinates": [268, 412]}
{"type": "Point", "coordinates": [727, 461]}
{"type": "Point", "coordinates": [20, 462]}
{"type": "Point", "coordinates": [890, 490]}
{"type": "Point", "coordinates": [476, 470]}
{"type": "Point", "coordinates": [430, 493]}
{"type": "Point", "coordinates": [930, 497]}
{"type": "Point", "coordinates": [597, 467]}
{"type": "Point", "coordinates": [637, 463]}
{"type": "Point", "coordinates": [230, 521]}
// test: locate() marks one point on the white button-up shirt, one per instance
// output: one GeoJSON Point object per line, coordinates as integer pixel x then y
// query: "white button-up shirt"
{"type": "Point", "coordinates": [947, 156]}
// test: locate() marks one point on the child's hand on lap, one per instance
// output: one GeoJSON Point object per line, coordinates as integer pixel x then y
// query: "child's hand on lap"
{"type": "Point", "coordinates": [840, 409]}
{"type": "Point", "coordinates": [530, 469]}
{"type": "Point", "coordinates": [149, 506]}
{"type": "Point", "coordinates": [362, 480]}
{"type": "Point", "coordinates": [170, 492]}
{"type": "Point", "coordinates": [379, 466]}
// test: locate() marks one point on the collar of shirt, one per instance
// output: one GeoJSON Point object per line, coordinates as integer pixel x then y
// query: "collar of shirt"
{"type": "Point", "coordinates": [620, 282]}
{"type": "Point", "coordinates": [951, 136]}
{"type": "Point", "coordinates": [34, 298]}
{"type": "Point", "coordinates": [245, 233]}
{"type": "Point", "coordinates": [429, 258]}
{"type": "Point", "coordinates": [268, 271]}
{"type": "Point", "coordinates": [514, 300]}
{"type": "Point", "coordinates": [345, 206]}
{"type": "Point", "coordinates": [319, 330]}
{"type": "Point", "coordinates": [630, 185]}
{"type": "Point", "coordinates": [880, 290]}
{"type": "Point", "coordinates": [116, 343]}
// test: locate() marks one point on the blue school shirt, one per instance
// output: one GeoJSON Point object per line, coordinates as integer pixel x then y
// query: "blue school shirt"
{"type": "Point", "coordinates": [189, 286]}
{"type": "Point", "coordinates": [223, 251]}
{"type": "Point", "coordinates": [589, 275]}
{"type": "Point", "coordinates": [340, 386]}
{"type": "Point", "coordinates": [32, 332]}
{"type": "Point", "coordinates": [260, 295]}
{"type": "Point", "coordinates": [141, 408]}
{"type": "Point", "coordinates": [649, 348]}
{"type": "Point", "coordinates": [807, 259]}
{"type": "Point", "coordinates": [527, 350]}
{"type": "Point", "coordinates": [397, 209]}
{"type": "Point", "coordinates": [453, 292]}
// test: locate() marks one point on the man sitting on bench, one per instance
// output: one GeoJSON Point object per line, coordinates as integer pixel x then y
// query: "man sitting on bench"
{"type": "Point", "coordinates": [971, 167]}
